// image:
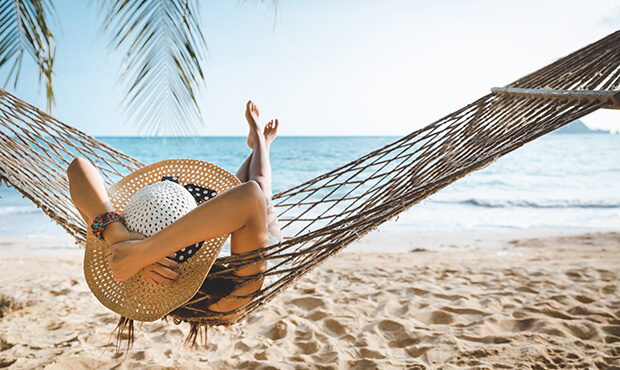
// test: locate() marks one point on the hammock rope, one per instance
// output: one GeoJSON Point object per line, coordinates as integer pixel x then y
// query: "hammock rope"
{"type": "Point", "coordinates": [324, 215]}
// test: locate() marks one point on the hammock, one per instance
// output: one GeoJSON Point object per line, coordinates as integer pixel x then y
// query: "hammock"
{"type": "Point", "coordinates": [324, 215]}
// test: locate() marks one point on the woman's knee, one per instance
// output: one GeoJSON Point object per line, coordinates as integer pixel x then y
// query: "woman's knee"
{"type": "Point", "coordinates": [263, 184]}
{"type": "Point", "coordinates": [252, 193]}
{"type": "Point", "coordinates": [252, 190]}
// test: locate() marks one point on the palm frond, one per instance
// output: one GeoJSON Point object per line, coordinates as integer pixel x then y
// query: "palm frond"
{"type": "Point", "coordinates": [275, 4]}
{"type": "Point", "coordinates": [24, 31]}
{"type": "Point", "coordinates": [161, 71]}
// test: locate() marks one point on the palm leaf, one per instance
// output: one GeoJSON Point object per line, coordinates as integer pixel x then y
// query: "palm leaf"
{"type": "Point", "coordinates": [161, 71]}
{"type": "Point", "coordinates": [276, 4]}
{"type": "Point", "coordinates": [24, 32]}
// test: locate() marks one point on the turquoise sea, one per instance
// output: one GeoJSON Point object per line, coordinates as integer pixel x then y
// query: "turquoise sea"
{"type": "Point", "coordinates": [558, 182]}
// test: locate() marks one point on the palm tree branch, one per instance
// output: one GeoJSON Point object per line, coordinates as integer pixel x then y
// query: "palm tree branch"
{"type": "Point", "coordinates": [25, 31]}
{"type": "Point", "coordinates": [162, 66]}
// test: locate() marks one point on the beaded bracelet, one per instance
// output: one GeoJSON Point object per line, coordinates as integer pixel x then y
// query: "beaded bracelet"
{"type": "Point", "coordinates": [100, 222]}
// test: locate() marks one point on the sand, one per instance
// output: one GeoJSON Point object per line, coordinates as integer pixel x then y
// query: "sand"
{"type": "Point", "coordinates": [483, 301]}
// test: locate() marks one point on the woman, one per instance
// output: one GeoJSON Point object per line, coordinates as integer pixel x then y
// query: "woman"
{"type": "Point", "coordinates": [245, 211]}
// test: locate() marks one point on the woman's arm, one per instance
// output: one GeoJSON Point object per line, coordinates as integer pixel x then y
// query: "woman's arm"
{"type": "Point", "coordinates": [239, 211]}
{"type": "Point", "coordinates": [90, 197]}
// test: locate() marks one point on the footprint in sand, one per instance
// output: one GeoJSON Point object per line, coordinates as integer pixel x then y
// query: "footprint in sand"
{"type": "Point", "coordinates": [416, 291]}
{"type": "Point", "coordinates": [4, 345]}
{"type": "Point", "coordinates": [518, 325]}
{"type": "Point", "coordinates": [435, 317]}
{"type": "Point", "coordinates": [56, 326]}
{"type": "Point", "coordinates": [260, 356]}
{"type": "Point", "coordinates": [334, 327]}
{"type": "Point", "coordinates": [278, 331]}
{"type": "Point", "coordinates": [303, 334]}
{"type": "Point", "coordinates": [550, 312]}
{"type": "Point", "coordinates": [106, 318]}
{"type": "Point", "coordinates": [609, 289]}
{"type": "Point", "coordinates": [525, 289]}
{"type": "Point", "coordinates": [610, 340]}
{"type": "Point", "coordinates": [613, 330]}
{"type": "Point", "coordinates": [582, 329]}
{"type": "Point", "coordinates": [309, 347]}
{"type": "Point", "coordinates": [584, 298]}
{"type": "Point", "coordinates": [396, 334]}
{"type": "Point", "coordinates": [330, 357]}
{"type": "Point", "coordinates": [369, 353]}
{"type": "Point", "coordinates": [64, 291]}
{"type": "Point", "coordinates": [561, 298]}
{"type": "Point", "coordinates": [407, 307]}
{"type": "Point", "coordinates": [308, 303]}
{"type": "Point", "coordinates": [579, 276]}
{"type": "Point", "coordinates": [606, 275]}
{"type": "Point", "coordinates": [249, 344]}
{"type": "Point", "coordinates": [465, 311]}
{"type": "Point", "coordinates": [6, 362]}
{"type": "Point", "coordinates": [139, 356]}
{"type": "Point", "coordinates": [479, 353]}
{"type": "Point", "coordinates": [317, 315]}
{"type": "Point", "coordinates": [585, 311]}
{"type": "Point", "coordinates": [492, 339]}
{"type": "Point", "coordinates": [450, 297]}
{"type": "Point", "coordinates": [364, 364]}
{"type": "Point", "coordinates": [417, 351]}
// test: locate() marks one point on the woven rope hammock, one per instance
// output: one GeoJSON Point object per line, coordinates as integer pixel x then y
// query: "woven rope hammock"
{"type": "Point", "coordinates": [324, 215]}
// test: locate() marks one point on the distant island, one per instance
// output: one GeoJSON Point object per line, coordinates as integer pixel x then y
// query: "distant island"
{"type": "Point", "coordinates": [578, 127]}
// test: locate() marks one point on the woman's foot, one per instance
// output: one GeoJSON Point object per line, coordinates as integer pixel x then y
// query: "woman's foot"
{"type": "Point", "coordinates": [270, 132]}
{"type": "Point", "coordinates": [251, 114]}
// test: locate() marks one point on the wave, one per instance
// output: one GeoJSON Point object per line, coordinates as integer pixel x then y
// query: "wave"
{"type": "Point", "coordinates": [502, 203]}
{"type": "Point", "coordinates": [18, 210]}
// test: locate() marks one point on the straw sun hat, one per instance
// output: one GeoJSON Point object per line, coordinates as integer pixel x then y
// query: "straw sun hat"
{"type": "Point", "coordinates": [149, 204]}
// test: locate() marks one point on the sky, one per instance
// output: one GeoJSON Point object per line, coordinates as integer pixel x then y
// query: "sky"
{"type": "Point", "coordinates": [325, 67]}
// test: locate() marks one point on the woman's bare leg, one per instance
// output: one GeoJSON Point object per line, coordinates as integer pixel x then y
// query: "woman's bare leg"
{"type": "Point", "coordinates": [259, 168]}
{"type": "Point", "coordinates": [269, 133]}
{"type": "Point", "coordinates": [256, 168]}
{"type": "Point", "coordinates": [242, 172]}
{"type": "Point", "coordinates": [91, 199]}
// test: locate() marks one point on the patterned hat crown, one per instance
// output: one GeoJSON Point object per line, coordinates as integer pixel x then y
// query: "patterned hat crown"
{"type": "Point", "coordinates": [156, 206]}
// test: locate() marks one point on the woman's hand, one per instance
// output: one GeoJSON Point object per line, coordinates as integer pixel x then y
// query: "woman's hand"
{"type": "Point", "coordinates": [127, 258]}
{"type": "Point", "coordinates": [161, 272]}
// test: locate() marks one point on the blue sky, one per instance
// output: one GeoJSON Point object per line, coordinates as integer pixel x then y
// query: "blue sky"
{"type": "Point", "coordinates": [347, 67]}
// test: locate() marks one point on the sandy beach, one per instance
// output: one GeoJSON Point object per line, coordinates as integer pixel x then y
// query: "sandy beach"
{"type": "Point", "coordinates": [485, 301]}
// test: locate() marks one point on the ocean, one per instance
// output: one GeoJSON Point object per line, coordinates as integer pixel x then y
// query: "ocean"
{"type": "Point", "coordinates": [558, 182]}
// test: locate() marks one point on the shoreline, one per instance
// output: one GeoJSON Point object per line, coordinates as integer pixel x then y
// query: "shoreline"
{"type": "Point", "coordinates": [536, 299]}
{"type": "Point", "coordinates": [397, 240]}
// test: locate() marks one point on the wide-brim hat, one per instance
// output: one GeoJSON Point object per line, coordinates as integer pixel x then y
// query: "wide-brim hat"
{"type": "Point", "coordinates": [138, 298]}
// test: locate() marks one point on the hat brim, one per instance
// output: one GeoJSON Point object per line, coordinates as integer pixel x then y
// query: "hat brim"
{"type": "Point", "coordinates": [137, 298]}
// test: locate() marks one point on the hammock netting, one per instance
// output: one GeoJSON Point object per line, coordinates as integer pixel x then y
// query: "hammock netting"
{"type": "Point", "coordinates": [324, 215]}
